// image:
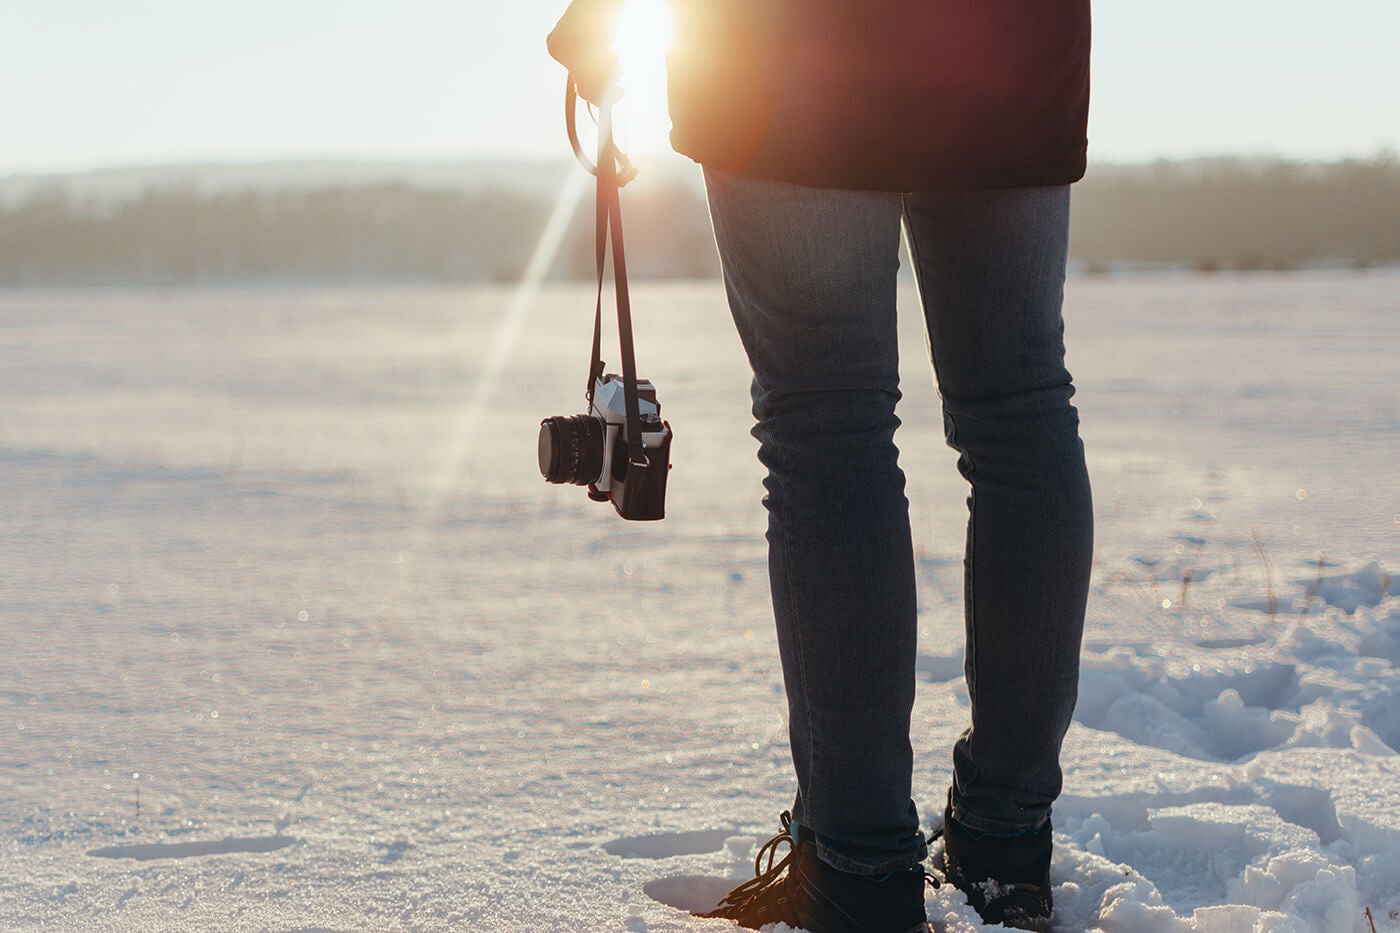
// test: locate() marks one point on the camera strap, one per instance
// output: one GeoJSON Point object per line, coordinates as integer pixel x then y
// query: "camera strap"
{"type": "Point", "coordinates": [612, 170]}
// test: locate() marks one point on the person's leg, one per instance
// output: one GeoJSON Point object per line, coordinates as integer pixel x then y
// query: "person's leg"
{"type": "Point", "coordinates": [811, 277]}
{"type": "Point", "coordinates": [990, 267]}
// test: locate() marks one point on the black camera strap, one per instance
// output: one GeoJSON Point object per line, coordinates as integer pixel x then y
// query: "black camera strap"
{"type": "Point", "coordinates": [612, 171]}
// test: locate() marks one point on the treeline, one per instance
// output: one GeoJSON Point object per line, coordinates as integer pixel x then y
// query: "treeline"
{"type": "Point", "coordinates": [1224, 214]}
{"type": "Point", "coordinates": [363, 234]}
{"type": "Point", "coordinates": [1236, 214]}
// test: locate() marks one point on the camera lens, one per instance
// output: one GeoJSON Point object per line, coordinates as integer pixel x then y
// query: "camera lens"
{"type": "Point", "coordinates": [571, 449]}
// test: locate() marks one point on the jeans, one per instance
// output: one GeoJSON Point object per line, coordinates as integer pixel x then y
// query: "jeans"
{"type": "Point", "coordinates": [811, 277]}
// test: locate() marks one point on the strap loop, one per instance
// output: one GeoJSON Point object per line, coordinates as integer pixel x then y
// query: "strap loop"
{"type": "Point", "coordinates": [625, 170]}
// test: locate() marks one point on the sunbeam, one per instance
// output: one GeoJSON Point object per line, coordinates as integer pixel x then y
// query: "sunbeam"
{"type": "Point", "coordinates": [517, 313]}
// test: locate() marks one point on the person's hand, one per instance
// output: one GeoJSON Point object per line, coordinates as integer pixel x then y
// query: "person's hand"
{"type": "Point", "coordinates": [582, 43]}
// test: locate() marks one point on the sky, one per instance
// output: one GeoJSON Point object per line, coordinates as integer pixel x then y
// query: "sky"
{"type": "Point", "coordinates": [92, 83]}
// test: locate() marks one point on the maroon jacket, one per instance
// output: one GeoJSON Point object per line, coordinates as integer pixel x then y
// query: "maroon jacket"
{"type": "Point", "coordinates": [893, 95]}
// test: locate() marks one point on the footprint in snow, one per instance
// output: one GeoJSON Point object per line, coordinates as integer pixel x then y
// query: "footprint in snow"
{"type": "Point", "coordinates": [694, 894]}
{"type": "Point", "coordinates": [1199, 847]}
{"type": "Point", "coordinates": [939, 668]}
{"type": "Point", "coordinates": [1225, 642]}
{"type": "Point", "coordinates": [1304, 807]}
{"type": "Point", "coordinates": [690, 893]}
{"type": "Point", "coordinates": [669, 845]}
{"type": "Point", "coordinates": [160, 850]}
{"type": "Point", "coordinates": [1218, 715]}
{"type": "Point", "coordinates": [1364, 588]}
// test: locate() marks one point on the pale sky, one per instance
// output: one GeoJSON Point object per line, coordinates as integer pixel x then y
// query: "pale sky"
{"type": "Point", "coordinates": [90, 83]}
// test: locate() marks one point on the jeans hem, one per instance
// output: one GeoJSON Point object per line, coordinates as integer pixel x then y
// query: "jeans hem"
{"type": "Point", "coordinates": [851, 866]}
{"type": "Point", "coordinates": [979, 824]}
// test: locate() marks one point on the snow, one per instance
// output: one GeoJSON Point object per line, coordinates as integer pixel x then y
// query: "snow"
{"type": "Point", "coordinates": [297, 639]}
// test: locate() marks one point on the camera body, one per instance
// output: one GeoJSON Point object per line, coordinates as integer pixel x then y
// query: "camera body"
{"type": "Point", "coordinates": [592, 450]}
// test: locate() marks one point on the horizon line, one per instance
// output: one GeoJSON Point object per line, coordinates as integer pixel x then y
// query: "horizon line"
{"type": "Point", "coordinates": [1381, 153]}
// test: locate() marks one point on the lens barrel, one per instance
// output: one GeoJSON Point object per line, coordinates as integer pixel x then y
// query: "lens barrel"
{"type": "Point", "coordinates": [571, 449]}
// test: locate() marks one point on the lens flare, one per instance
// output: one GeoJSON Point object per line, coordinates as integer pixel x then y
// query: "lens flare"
{"type": "Point", "coordinates": [643, 37]}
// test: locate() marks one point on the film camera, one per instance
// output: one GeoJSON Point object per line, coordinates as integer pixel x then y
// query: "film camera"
{"type": "Point", "coordinates": [596, 450]}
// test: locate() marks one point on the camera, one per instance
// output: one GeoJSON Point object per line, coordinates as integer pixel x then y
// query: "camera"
{"type": "Point", "coordinates": [593, 450]}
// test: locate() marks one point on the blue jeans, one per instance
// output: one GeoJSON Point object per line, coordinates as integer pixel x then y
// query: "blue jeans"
{"type": "Point", "coordinates": [811, 276]}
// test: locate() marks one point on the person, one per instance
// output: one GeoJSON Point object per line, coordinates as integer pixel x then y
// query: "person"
{"type": "Point", "coordinates": [824, 130]}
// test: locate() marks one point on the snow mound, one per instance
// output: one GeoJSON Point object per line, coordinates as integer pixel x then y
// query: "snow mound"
{"type": "Point", "coordinates": [1351, 591]}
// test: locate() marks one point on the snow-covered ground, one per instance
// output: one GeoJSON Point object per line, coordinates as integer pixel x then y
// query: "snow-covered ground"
{"type": "Point", "coordinates": [295, 637]}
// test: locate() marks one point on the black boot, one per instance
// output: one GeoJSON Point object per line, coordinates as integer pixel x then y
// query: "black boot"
{"type": "Point", "coordinates": [1006, 879]}
{"type": "Point", "coordinates": [804, 892]}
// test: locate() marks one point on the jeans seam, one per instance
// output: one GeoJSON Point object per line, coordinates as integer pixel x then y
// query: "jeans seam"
{"type": "Point", "coordinates": [797, 642]}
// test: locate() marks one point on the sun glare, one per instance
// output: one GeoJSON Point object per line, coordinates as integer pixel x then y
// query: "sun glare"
{"type": "Point", "coordinates": [643, 37]}
{"type": "Point", "coordinates": [458, 453]}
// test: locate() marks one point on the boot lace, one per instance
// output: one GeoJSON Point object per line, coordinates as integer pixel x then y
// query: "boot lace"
{"type": "Point", "coordinates": [770, 875]}
{"type": "Point", "coordinates": [767, 878]}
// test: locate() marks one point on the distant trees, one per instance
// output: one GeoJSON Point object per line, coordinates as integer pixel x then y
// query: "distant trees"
{"type": "Point", "coordinates": [1218, 214]}
{"type": "Point", "coordinates": [384, 233]}
{"type": "Point", "coordinates": [666, 232]}
{"type": "Point", "coordinates": [1240, 214]}
{"type": "Point", "coordinates": [371, 233]}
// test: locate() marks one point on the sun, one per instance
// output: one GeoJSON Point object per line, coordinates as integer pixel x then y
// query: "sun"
{"type": "Point", "coordinates": [642, 39]}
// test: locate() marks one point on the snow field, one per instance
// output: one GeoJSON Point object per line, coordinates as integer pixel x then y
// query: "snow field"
{"type": "Point", "coordinates": [296, 639]}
